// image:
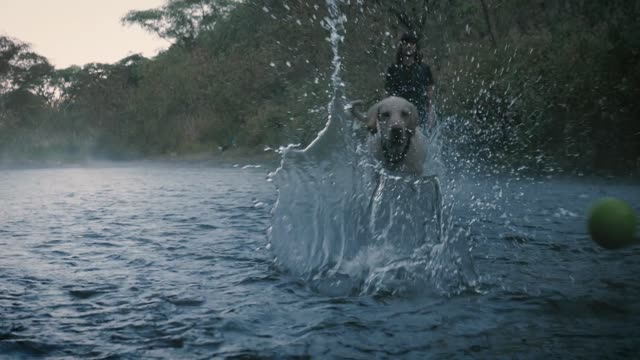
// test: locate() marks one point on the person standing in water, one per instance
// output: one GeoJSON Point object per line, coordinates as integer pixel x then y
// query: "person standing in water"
{"type": "Point", "coordinates": [410, 78]}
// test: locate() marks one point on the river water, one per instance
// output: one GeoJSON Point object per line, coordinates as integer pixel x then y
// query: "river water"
{"type": "Point", "coordinates": [170, 260]}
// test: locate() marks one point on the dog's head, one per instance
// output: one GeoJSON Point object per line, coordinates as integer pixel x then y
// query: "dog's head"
{"type": "Point", "coordinates": [396, 121]}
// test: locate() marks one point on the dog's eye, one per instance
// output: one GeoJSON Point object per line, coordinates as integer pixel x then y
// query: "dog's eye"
{"type": "Point", "coordinates": [405, 113]}
{"type": "Point", "coordinates": [385, 115]}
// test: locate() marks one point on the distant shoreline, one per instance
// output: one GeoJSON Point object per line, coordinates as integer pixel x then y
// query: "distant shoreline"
{"type": "Point", "coordinates": [239, 157]}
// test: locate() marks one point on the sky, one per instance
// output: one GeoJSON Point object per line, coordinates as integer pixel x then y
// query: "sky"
{"type": "Point", "coordinates": [76, 32]}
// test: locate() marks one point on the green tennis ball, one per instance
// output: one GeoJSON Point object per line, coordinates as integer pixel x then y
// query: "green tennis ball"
{"type": "Point", "coordinates": [611, 223]}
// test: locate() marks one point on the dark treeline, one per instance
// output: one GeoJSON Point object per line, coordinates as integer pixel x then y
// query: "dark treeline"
{"type": "Point", "coordinates": [529, 83]}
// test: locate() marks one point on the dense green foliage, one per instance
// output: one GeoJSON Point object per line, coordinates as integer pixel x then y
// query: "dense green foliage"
{"type": "Point", "coordinates": [528, 83]}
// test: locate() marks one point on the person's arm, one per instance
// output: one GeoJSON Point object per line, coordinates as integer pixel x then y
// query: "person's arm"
{"type": "Point", "coordinates": [429, 95]}
{"type": "Point", "coordinates": [388, 82]}
{"type": "Point", "coordinates": [429, 85]}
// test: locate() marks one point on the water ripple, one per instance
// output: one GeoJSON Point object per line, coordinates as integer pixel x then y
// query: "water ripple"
{"type": "Point", "coordinates": [169, 262]}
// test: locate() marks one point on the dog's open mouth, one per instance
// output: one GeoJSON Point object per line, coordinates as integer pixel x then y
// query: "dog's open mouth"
{"type": "Point", "coordinates": [397, 145]}
{"type": "Point", "coordinates": [393, 157]}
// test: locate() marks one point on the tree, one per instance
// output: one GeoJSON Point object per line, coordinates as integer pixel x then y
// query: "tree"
{"type": "Point", "coordinates": [180, 21]}
{"type": "Point", "coordinates": [19, 66]}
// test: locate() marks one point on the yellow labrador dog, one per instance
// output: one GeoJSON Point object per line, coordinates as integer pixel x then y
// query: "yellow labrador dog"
{"type": "Point", "coordinates": [395, 139]}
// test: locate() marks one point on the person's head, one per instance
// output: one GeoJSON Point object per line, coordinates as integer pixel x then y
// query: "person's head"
{"type": "Point", "coordinates": [408, 48]}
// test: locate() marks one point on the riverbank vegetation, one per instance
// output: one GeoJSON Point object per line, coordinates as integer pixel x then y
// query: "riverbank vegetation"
{"type": "Point", "coordinates": [540, 84]}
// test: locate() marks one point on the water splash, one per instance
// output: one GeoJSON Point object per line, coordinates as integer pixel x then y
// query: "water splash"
{"type": "Point", "coordinates": [348, 226]}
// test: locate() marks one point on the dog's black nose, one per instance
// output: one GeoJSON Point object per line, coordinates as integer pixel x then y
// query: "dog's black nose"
{"type": "Point", "coordinates": [396, 133]}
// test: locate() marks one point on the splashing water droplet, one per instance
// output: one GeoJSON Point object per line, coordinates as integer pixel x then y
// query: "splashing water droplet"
{"type": "Point", "coordinates": [346, 225]}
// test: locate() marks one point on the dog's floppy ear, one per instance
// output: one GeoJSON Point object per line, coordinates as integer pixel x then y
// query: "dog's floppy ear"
{"type": "Point", "coordinates": [353, 107]}
{"type": "Point", "coordinates": [355, 112]}
{"type": "Point", "coordinates": [372, 118]}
